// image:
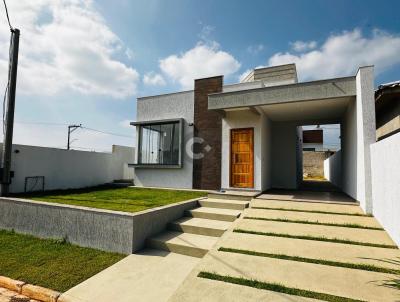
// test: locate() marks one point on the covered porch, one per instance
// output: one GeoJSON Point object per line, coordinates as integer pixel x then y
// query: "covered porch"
{"type": "Point", "coordinates": [261, 133]}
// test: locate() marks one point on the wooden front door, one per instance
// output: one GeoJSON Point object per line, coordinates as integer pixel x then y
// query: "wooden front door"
{"type": "Point", "coordinates": [242, 158]}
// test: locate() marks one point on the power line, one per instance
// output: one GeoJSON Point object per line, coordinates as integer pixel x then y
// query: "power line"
{"type": "Point", "coordinates": [65, 124]}
{"type": "Point", "coordinates": [8, 18]}
{"type": "Point", "coordinates": [105, 132]}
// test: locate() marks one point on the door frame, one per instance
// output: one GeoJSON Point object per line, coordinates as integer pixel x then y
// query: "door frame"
{"type": "Point", "coordinates": [230, 156]}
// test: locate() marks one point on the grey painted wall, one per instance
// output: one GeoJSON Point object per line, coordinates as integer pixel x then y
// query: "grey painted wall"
{"type": "Point", "coordinates": [101, 229]}
{"type": "Point", "coordinates": [266, 152]}
{"type": "Point", "coordinates": [284, 155]}
{"type": "Point", "coordinates": [64, 169]}
{"type": "Point", "coordinates": [168, 106]}
{"type": "Point", "coordinates": [242, 119]}
{"type": "Point", "coordinates": [385, 162]}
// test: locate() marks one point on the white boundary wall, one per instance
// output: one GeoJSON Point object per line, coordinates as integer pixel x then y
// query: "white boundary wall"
{"type": "Point", "coordinates": [333, 168]}
{"type": "Point", "coordinates": [385, 163]}
{"type": "Point", "coordinates": [65, 169]}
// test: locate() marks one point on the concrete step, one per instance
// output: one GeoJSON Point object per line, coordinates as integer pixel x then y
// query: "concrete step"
{"type": "Point", "coordinates": [329, 251]}
{"type": "Point", "coordinates": [330, 232]}
{"type": "Point", "coordinates": [199, 226]}
{"type": "Point", "coordinates": [214, 213]}
{"type": "Point", "coordinates": [224, 203]}
{"type": "Point", "coordinates": [307, 206]}
{"type": "Point", "coordinates": [183, 243]}
{"type": "Point", "coordinates": [231, 196]}
{"type": "Point", "coordinates": [135, 278]}
{"type": "Point", "coordinates": [313, 217]}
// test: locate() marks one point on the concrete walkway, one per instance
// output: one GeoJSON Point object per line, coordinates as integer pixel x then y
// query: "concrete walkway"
{"type": "Point", "coordinates": [301, 270]}
{"type": "Point", "coordinates": [151, 275]}
{"type": "Point", "coordinates": [155, 273]}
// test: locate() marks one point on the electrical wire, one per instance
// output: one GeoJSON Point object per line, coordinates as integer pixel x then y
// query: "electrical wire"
{"type": "Point", "coordinates": [8, 17]}
{"type": "Point", "coordinates": [105, 132]}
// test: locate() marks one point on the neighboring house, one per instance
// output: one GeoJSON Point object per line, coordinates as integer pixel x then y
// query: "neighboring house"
{"type": "Point", "coordinates": [387, 106]}
{"type": "Point", "coordinates": [248, 135]}
{"type": "Point", "coordinates": [313, 140]}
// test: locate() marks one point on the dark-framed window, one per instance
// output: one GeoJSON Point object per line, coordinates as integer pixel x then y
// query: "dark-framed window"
{"type": "Point", "coordinates": [160, 143]}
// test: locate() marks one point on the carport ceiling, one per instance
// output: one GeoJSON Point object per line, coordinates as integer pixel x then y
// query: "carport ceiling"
{"type": "Point", "coordinates": [326, 109]}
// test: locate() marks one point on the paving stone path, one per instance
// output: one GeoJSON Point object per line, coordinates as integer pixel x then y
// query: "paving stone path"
{"type": "Point", "coordinates": [351, 271]}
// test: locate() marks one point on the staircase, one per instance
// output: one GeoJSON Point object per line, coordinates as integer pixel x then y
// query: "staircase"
{"type": "Point", "coordinates": [197, 232]}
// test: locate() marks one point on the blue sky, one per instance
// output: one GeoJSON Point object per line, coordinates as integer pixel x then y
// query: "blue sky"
{"type": "Point", "coordinates": [84, 61]}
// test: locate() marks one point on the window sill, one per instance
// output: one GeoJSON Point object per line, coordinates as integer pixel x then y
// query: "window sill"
{"type": "Point", "coordinates": [155, 166]}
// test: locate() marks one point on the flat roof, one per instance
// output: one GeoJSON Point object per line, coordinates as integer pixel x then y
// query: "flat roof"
{"type": "Point", "coordinates": [304, 91]}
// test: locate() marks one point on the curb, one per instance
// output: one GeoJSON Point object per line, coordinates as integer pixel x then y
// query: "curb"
{"type": "Point", "coordinates": [34, 292]}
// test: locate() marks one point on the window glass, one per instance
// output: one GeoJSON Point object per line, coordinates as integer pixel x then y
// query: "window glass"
{"type": "Point", "coordinates": [159, 144]}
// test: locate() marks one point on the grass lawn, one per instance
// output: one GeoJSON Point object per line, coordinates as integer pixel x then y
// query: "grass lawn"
{"type": "Point", "coordinates": [50, 263]}
{"type": "Point", "coordinates": [117, 199]}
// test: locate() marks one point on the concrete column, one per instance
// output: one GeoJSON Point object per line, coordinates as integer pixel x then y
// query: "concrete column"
{"type": "Point", "coordinates": [366, 134]}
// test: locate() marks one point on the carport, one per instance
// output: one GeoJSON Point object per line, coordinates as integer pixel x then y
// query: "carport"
{"type": "Point", "coordinates": [261, 128]}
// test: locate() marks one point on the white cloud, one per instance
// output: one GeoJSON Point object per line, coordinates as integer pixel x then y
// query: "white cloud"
{"type": "Point", "coordinates": [154, 79]}
{"type": "Point", "coordinates": [342, 54]}
{"type": "Point", "coordinates": [255, 49]}
{"type": "Point", "coordinates": [300, 46]}
{"type": "Point", "coordinates": [205, 33]}
{"type": "Point", "coordinates": [66, 45]}
{"type": "Point", "coordinates": [204, 60]}
{"type": "Point", "coordinates": [129, 53]}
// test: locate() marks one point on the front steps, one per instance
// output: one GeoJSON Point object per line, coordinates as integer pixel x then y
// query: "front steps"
{"type": "Point", "coordinates": [214, 213]}
{"type": "Point", "coordinates": [196, 233]}
{"type": "Point", "coordinates": [200, 226]}
{"type": "Point", "coordinates": [224, 203]}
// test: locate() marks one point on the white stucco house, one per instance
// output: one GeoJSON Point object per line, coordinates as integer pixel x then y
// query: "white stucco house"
{"type": "Point", "coordinates": [247, 136]}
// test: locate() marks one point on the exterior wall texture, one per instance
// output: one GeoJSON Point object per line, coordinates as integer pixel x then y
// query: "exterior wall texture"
{"type": "Point", "coordinates": [284, 155]}
{"type": "Point", "coordinates": [208, 127]}
{"type": "Point", "coordinates": [385, 162]}
{"type": "Point", "coordinates": [358, 135]}
{"type": "Point", "coordinates": [266, 153]}
{"type": "Point", "coordinates": [169, 106]}
{"type": "Point", "coordinates": [313, 163]}
{"type": "Point", "coordinates": [101, 229]}
{"type": "Point", "coordinates": [236, 120]}
{"type": "Point", "coordinates": [66, 169]}
{"type": "Point", "coordinates": [333, 168]}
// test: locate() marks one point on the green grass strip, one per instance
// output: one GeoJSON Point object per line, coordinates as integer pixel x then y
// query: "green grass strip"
{"type": "Point", "coordinates": [276, 287]}
{"type": "Point", "coordinates": [365, 267]}
{"type": "Point", "coordinates": [346, 225]}
{"type": "Point", "coordinates": [311, 211]}
{"type": "Point", "coordinates": [306, 237]}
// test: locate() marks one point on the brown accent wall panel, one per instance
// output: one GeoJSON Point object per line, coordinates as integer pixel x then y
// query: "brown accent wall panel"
{"type": "Point", "coordinates": [207, 126]}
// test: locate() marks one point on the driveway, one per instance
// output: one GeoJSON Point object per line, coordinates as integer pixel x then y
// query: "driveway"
{"type": "Point", "coordinates": [282, 249]}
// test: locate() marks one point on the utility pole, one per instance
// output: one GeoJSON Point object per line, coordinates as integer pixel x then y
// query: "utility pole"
{"type": "Point", "coordinates": [71, 128]}
{"type": "Point", "coordinates": [9, 115]}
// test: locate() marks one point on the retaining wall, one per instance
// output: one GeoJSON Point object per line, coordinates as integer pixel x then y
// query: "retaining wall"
{"type": "Point", "coordinates": [101, 229]}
